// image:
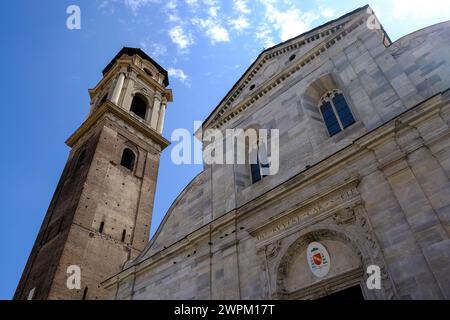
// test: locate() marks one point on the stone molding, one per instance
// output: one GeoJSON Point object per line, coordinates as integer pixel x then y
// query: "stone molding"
{"type": "Point", "coordinates": [224, 114]}
{"type": "Point", "coordinates": [318, 207]}
{"type": "Point", "coordinates": [109, 108]}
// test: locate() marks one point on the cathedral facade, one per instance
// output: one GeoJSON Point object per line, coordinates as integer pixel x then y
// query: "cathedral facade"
{"type": "Point", "coordinates": [362, 188]}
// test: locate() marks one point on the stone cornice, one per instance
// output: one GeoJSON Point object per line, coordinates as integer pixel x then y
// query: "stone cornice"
{"type": "Point", "coordinates": [109, 107]}
{"type": "Point", "coordinates": [224, 114]}
{"type": "Point", "coordinates": [127, 62]}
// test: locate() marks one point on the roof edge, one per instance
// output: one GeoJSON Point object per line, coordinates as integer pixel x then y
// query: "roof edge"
{"type": "Point", "coordinates": [279, 45]}
{"type": "Point", "coordinates": [131, 52]}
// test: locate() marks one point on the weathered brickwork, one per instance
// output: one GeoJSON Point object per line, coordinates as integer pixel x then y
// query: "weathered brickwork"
{"type": "Point", "coordinates": [376, 193]}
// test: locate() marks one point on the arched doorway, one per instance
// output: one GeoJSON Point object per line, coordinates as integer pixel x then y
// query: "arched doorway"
{"type": "Point", "coordinates": [345, 279]}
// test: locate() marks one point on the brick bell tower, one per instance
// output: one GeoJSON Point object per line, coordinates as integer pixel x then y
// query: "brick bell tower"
{"type": "Point", "coordinates": [101, 211]}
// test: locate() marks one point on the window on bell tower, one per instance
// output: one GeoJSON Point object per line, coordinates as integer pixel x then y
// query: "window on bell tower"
{"type": "Point", "coordinates": [335, 112]}
{"type": "Point", "coordinates": [139, 106]}
{"type": "Point", "coordinates": [128, 159]}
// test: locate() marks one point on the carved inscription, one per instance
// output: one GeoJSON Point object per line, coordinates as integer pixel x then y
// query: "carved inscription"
{"type": "Point", "coordinates": [303, 213]}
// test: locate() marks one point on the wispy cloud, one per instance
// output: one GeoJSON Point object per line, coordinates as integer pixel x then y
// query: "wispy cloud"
{"type": "Point", "coordinates": [239, 23]}
{"type": "Point", "coordinates": [192, 4]}
{"type": "Point", "coordinates": [180, 75]}
{"type": "Point", "coordinates": [241, 6]}
{"type": "Point", "coordinates": [264, 34]}
{"type": "Point", "coordinates": [154, 49]}
{"type": "Point", "coordinates": [181, 38]}
{"type": "Point", "coordinates": [212, 25]}
{"type": "Point", "coordinates": [135, 5]}
{"type": "Point", "coordinates": [212, 29]}
{"type": "Point", "coordinates": [327, 12]}
{"type": "Point", "coordinates": [290, 22]}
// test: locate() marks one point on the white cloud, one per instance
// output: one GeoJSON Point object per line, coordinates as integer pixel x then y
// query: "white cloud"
{"type": "Point", "coordinates": [135, 5]}
{"type": "Point", "coordinates": [182, 39]}
{"type": "Point", "coordinates": [173, 17]}
{"type": "Point", "coordinates": [419, 9]}
{"type": "Point", "coordinates": [179, 74]}
{"type": "Point", "coordinates": [213, 30]}
{"type": "Point", "coordinates": [264, 34]}
{"type": "Point", "coordinates": [172, 4]}
{"type": "Point", "coordinates": [327, 12]}
{"type": "Point", "coordinates": [106, 6]}
{"type": "Point", "coordinates": [212, 26]}
{"type": "Point", "coordinates": [240, 23]}
{"type": "Point", "coordinates": [156, 50]}
{"type": "Point", "coordinates": [241, 6]}
{"type": "Point", "coordinates": [213, 11]}
{"type": "Point", "coordinates": [289, 23]}
{"type": "Point", "coordinates": [192, 3]}
{"type": "Point", "coordinates": [210, 2]}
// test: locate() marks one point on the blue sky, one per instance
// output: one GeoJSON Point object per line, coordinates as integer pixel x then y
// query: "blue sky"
{"type": "Point", "coordinates": [205, 45]}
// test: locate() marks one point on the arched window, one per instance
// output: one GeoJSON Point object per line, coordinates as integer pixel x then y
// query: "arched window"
{"type": "Point", "coordinates": [256, 169]}
{"type": "Point", "coordinates": [124, 233]}
{"type": "Point", "coordinates": [139, 106]}
{"type": "Point", "coordinates": [335, 112]}
{"type": "Point", "coordinates": [128, 159]}
{"type": "Point", "coordinates": [257, 151]}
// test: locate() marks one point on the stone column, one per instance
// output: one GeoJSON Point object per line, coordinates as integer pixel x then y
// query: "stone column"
{"type": "Point", "coordinates": [155, 113]}
{"type": "Point", "coordinates": [162, 113]}
{"type": "Point", "coordinates": [118, 89]}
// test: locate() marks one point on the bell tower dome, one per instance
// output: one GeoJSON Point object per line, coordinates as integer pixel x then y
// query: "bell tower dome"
{"type": "Point", "coordinates": [101, 211]}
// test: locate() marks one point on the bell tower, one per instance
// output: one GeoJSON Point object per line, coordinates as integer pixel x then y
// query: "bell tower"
{"type": "Point", "coordinates": [100, 214]}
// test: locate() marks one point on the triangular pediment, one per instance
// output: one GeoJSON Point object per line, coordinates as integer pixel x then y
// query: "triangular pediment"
{"type": "Point", "coordinates": [272, 63]}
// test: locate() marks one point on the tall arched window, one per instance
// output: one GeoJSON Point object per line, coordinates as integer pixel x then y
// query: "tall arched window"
{"type": "Point", "coordinates": [128, 159]}
{"type": "Point", "coordinates": [262, 162]}
{"type": "Point", "coordinates": [139, 106]}
{"type": "Point", "coordinates": [335, 112]}
{"type": "Point", "coordinates": [255, 169]}
{"type": "Point", "coordinates": [257, 158]}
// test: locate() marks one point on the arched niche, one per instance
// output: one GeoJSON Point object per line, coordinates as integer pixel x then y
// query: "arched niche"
{"type": "Point", "coordinates": [350, 255]}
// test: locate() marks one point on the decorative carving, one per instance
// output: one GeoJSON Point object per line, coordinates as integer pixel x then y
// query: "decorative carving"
{"type": "Point", "coordinates": [273, 249]}
{"type": "Point", "coordinates": [349, 226]}
{"type": "Point", "coordinates": [375, 257]}
{"type": "Point", "coordinates": [299, 217]}
{"type": "Point", "coordinates": [344, 216]}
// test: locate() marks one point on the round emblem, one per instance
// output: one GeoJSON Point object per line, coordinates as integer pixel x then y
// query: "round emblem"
{"type": "Point", "coordinates": [318, 259]}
